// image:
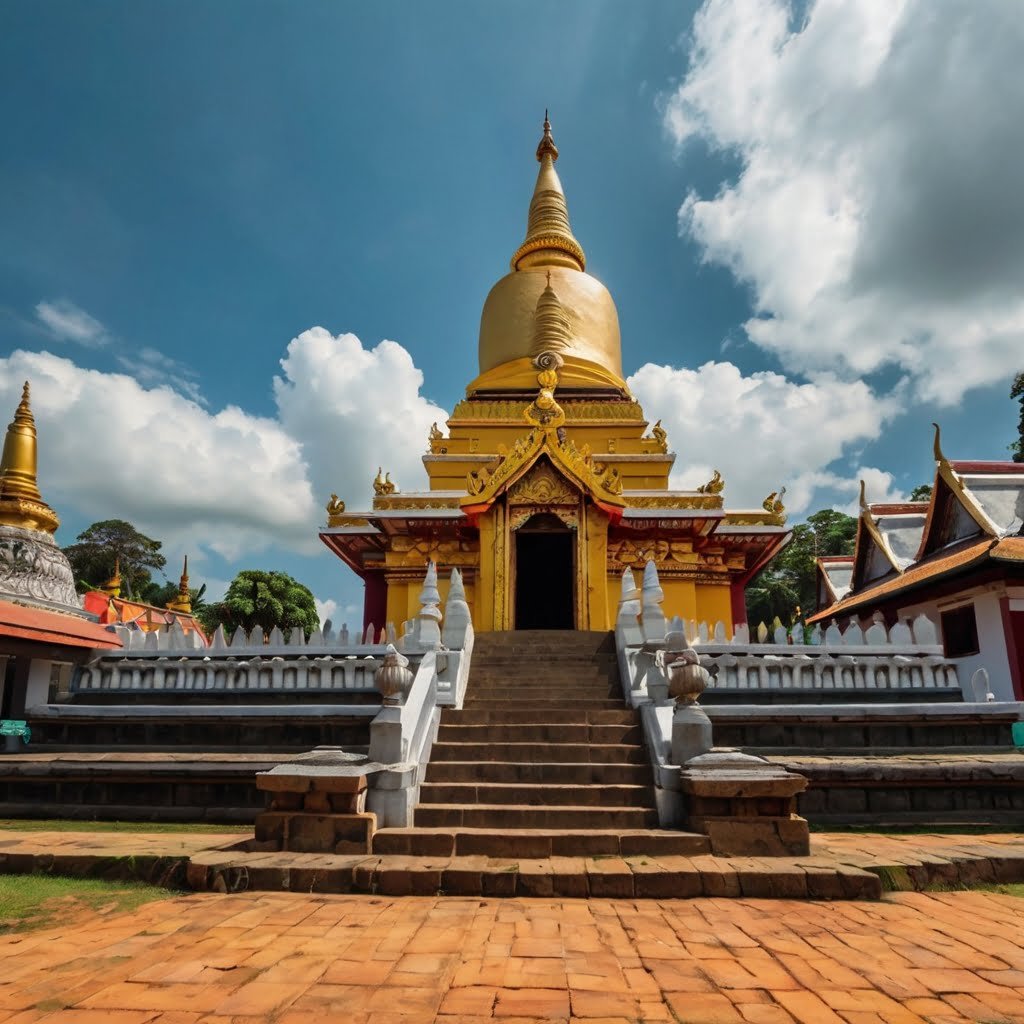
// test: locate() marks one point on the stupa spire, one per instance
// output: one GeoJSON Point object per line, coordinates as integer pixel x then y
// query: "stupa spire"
{"type": "Point", "coordinates": [113, 585]}
{"type": "Point", "coordinates": [551, 327]}
{"type": "Point", "coordinates": [182, 603]}
{"type": "Point", "coordinates": [549, 239]}
{"type": "Point", "coordinates": [21, 504]}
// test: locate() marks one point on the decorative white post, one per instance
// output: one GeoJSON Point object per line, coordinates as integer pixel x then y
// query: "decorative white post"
{"type": "Point", "coordinates": [428, 628]}
{"type": "Point", "coordinates": [629, 600]}
{"type": "Point", "coordinates": [652, 596]}
{"type": "Point", "coordinates": [457, 618]}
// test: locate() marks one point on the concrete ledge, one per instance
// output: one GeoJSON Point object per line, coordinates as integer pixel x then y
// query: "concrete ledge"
{"type": "Point", "coordinates": [847, 712]}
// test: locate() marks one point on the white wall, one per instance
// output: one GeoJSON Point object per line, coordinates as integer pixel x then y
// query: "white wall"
{"type": "Point", "coordinates": [992, 654]}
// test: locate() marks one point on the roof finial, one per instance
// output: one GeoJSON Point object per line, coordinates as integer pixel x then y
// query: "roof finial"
{"type": "Point", "coordinates": [937, 445]}
{"type": "Point", "coordinates": [21, 504]}
{"type": "Point", "coordinates": [182, 601]}
{"type": "Point", "coordinates": [549, 238]}
{"type": "Point", "coordinates": [864, 507]}
{"type": "Point", "coordinates": [113, 585]}
{"type": "Point", "coordinates": [547, 141]}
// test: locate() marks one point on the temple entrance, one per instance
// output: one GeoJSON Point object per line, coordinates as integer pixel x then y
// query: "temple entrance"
{"type": "Point", "coordinates": [545, 567]}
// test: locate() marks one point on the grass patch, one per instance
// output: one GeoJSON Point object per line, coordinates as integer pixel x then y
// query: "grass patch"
{"type": "Point", "coordinates": [1005, 888]}
{"type": "Point", "coordinates": [62, 825]}
{"type": "Point", "coordinates": [35, 901]}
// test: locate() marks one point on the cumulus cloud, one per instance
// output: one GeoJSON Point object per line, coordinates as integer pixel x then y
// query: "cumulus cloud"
{"type": "Point", "coordinates": [354, 409]}
{"type": "Point", "coordinates": [66, 322]}
{"type": "Point", "coordinates": [762, 431]}
{"type": "Point", "coordinates": [877, 212]}
{"type": "Point", "coordinates": [228, 481]}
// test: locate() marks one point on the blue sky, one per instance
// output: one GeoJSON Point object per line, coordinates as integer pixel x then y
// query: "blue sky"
{"type": "Point", "coordinates": [186, 188]}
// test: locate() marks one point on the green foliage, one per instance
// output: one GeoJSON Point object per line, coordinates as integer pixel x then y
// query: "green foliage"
{"type": "Point", "coordinates": [1017, 392]}
{"type": "Point", "coordinates": [160, 594]}
{"type": "Point", "coordinates": [103, 544]}
{"type": "Point", "coordinates": [266, 599]}
{"type": "Point", "coordinates": [923, 492]}
{"type": "Point", "coordinates": [788, 581]}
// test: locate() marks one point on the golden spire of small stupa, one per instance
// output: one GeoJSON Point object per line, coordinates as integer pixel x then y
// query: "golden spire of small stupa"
{"type": "Point", "coordinates": [113, 585]}
{"type": "Point", "coordinates": [183, 602]}
{"type": "Point", "coordinates": [549, 239]}
{"type": "Point", "coordinates": [21, 504]}
{"type": "Point", "coordinates": [552, 331]}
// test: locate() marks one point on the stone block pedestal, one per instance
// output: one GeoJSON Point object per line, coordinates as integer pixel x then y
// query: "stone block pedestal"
{"type": "Point", "coordinates": [746, 806]}
{"type": "Point", "coordinates": [316, 807]}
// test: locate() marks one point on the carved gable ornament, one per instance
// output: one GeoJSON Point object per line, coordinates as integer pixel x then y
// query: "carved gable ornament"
{"type": "Point", "coordinates": [543, 486]}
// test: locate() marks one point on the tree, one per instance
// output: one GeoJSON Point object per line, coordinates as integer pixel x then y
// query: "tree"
{"type": "Point", "coordinates": [788, 582]}
{"type": "Point", "coordinates": [1017, 392]}
{"type": "Point", "coordinates": [161, 594]}
{"type": "Point", "coordinates": [922, 492]}
{"type": "Point", "coordinates": [114, 542]}
{"type": "Point", "coordinates": [266, 599]}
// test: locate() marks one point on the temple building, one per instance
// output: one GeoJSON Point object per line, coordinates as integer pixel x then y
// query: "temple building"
{"type": "Point", "coordinates": [44, 629]}
{"type": "Point", "coordinates": [110, 608]}
{"type": "Point", "coordinates": [549, 481]}
{"type": "Point", "coordinates": [957, 558]}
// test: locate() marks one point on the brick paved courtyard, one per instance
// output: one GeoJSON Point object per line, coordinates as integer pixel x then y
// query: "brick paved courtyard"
{"type": "Point", "coordinates": [294, 959]}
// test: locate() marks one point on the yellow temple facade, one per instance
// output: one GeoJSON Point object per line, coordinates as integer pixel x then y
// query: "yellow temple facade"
{"type": "Point", "coordinates": [549, 481]}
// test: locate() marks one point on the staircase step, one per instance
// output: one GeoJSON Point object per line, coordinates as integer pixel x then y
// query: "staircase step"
{"type": "Point", "coordinates": [498, 816]}
{"type": "Point", "coordinates": [554, 703]}
{"type": "Point", "coordinates": [538, 732]}
{"type": "Point", "coordinates": [559, 774]}
{"type": "Point", "coordinates": [447, 842]}
{"type": "Point", "coordinates": [578, 715]}
{"type": "Point", "coordinates": [601, 753]}
{"type": "Point", "coordinates": [506, 793]}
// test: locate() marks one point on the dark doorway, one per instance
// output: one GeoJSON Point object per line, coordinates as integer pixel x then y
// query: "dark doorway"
{"type": "Point", "coordinates": [544, 574]}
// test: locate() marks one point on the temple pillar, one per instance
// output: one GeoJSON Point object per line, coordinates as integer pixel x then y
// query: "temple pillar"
{"type": "Point", "coordinates": [375, 600]}
{"type": "Point", "coordinates": [595, 580]}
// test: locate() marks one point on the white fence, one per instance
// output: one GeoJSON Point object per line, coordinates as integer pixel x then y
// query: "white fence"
{"type": "Point", "coordinates": [170, 661]}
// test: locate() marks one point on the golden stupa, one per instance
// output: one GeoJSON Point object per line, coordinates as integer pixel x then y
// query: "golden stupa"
{"type": "Point", "coordinates": [549, 483]}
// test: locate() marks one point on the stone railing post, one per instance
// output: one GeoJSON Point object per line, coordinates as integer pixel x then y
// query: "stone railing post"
{"type": "Point", "coordinates": [651, 597]}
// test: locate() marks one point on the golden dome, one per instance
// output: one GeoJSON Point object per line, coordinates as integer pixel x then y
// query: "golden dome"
{"type": "Point", "coordinates": [550, 257]}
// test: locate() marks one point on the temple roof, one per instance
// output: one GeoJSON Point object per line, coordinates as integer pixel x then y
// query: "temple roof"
{"type": "Point", "coordinates": [974, 519]}
{"type": "Point", "coordinates": [42, 626]}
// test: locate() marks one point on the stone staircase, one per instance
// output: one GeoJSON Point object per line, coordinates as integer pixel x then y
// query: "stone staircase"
{"type": "Point", "coordinates": [543, 760]}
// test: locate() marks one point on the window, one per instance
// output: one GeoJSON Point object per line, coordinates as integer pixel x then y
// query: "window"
{"type": "Point", "coordinates": [960, 632]}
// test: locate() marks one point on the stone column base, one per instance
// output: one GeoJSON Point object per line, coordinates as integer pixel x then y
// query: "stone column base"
{"type": "Point", "coordinates": [746, 806]}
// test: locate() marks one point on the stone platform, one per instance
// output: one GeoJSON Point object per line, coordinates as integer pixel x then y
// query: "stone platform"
{"type": "Point", "coordinates": [839, 867]}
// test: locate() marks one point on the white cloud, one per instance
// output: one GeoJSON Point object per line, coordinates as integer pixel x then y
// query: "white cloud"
{"type": "Point", "coordinates": [153, 367]}
{"type": "Point", "coordinates": [354, 409]}
{"type": "Point", "coordinates": [761, 431]}
{"type": "Point", "coordinates": [877, 214]}
{"type": "Point", "coordinates": [326, 610]}
{"type": "Point", "coordinates": [67, 322]}
{"type": "Point", "coordinates": [226, 481]}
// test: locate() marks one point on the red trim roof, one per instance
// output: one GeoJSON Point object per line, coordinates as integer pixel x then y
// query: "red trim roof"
{"type": "Point", "coordinates": [985, 468]}
{"type": "Point", "coordinates": [43, 626]}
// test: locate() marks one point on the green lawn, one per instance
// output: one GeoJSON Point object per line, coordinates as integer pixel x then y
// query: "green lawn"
{"type": "Point", "coordinates": [61, 825]}
{"type": "Point", "coordinates": [36, 901]}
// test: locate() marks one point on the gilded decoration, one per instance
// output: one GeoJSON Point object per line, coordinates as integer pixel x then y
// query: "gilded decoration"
{"type": "Point", "coordinates": [664, 553]}
{"type": "Point", "coordinates": [519, 516]}
{"type": "Point", "coordinates": [335, 509]}
{"type": "Point", "coordinates": [405, 501]}
{"type": "Point", "coordinates": [505, 409]}
{"type": "Point", "coordinates": [714, 486]}
{"type": "Point", "coordinates": [659, 435]}
{"type": "Point", "coordinates": [418, 551]}
{"type": "Point", "coordinates": [382, 484]}
{"type": "Point", "coordinates": [543, 486]}
{"type": "Point", "coordinates": [773, 505]}
{"type": "Point", "coordinates": [547, 418]}
{"type": "Point", "coordinates": [674, 501]}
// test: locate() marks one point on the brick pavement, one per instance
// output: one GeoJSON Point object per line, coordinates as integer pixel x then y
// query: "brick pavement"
{"type": "Point", "coordinates": [942, 958]}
